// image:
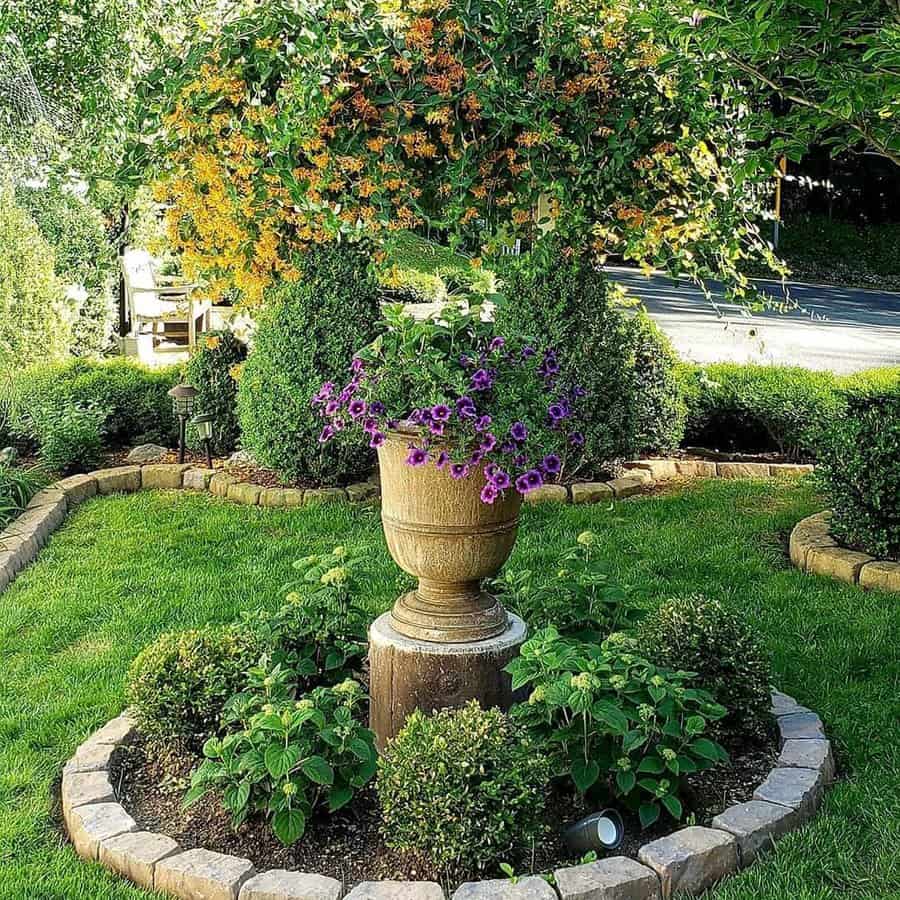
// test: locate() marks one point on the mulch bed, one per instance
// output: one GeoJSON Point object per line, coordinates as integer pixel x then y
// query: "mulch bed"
{"type": "Point", "coordinates": [150, 781]}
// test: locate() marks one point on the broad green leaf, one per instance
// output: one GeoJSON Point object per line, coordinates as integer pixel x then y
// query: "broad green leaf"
{"type": "Point", "coordinates": [584, 774]}
{"type": "Point", "coordinates": [289, 825]}
{"type": "Point", "coordinates": [316, 769]}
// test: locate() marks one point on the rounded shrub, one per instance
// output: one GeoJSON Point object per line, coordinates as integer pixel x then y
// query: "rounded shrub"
{"type": "Point", "coordinates": [211, 369]}
{"type": "Point", "coordinates": [179, 684]}
{"type": "Point", "coordinates": [698, 634]}
{"type": "Point", "coordinates": [70, 437]}
{"type": "Point", "coordinates": [465, 787]}
{"type": "Point", "coordinates": [860, 472]}
{"type": "Point", "coordinates": [306, 336]}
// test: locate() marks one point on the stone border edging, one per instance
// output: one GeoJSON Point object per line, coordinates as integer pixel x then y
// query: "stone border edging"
{"type": "Point", "coordinates": [814, 550]}
{"type": "Point", "coordinates": [25, 535]}
{"type": "Point", "coordinates": [689, 860]}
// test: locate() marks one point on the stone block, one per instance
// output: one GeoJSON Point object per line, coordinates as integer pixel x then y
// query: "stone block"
{"type": "Point", "coordinates": [51, 496]}
{"type": "Point", "coordinates": [91, 756]}
{"type": "Point", "coordinates": [278, 884]}
{"type": "Point", "coordinates": [691, 860]}
{"type": "Point", "coordinates": [364, 490]}
{"type": "Point", "coordinates": [134, 855]}
{"type": "Point", "coordinates": [548, 493]}
{"type": "Point", "coordinates": [613, 878]}
{"type": "Point", "coordinates": [784, 705]}
{"type": "Point", "coordinates": [271, 497]}
{"type": "Point", "coordinates": [799, 789]}
{"type": "Point", "coordinates": [591, 492]}
{"type": "Point", "coordinates": [659, 469]}
{"type": "Point", "coordinates": [83, 788]}
{"type": "Point", "coordinates": [801, 726]}
{"type": "Point", "coordinates": [629, 485]}
{"type": "Point", "coordinates": [39, 522]}
{"type": "Point", "coordinates": [17, 550]}
{"type": "Point", "coordinates": [880, 575]}
{"type": "Point", "coordinates": [836, 562]}
{"type": "Point", "coordinates": [163, 476]}
{"type": "Point", "coordinates": [742, 470]}
{"type": "Point", "coordinates": [77, 488]}
{"type": "Point", "coordinates": [89, 825]}
{"type": "Point", "coordinates": [529, 888]}
{"type": "Point", "coordinates": [202, 875]}
{"type": "Point", "coordinates": [789, 470]}
{"type": "Point", "coordinates": [695, 468]}
{"type": "Point", "coordinates": [809, 755]}
{"type": "Point", "coordinates": [293, 497]}
{"type": "Point", "coordinates": [325, 495]}
{"type": "Point", "coordinates": [220, 483]}
{"type": "Point", "coordinates": [756, 825]}
{"type": "Point", "coordinates": [120, 479]}
{"type": "Point", "coordinates": [147, 453]}
{"type": "Point", "coordinates": [396, 890]}
{"type": "Point", "coordinates": [245, 493]}
{"type": "Point", "coordinates": [115, 731]}
{"type": "Point", "coordinates": [197, 479]}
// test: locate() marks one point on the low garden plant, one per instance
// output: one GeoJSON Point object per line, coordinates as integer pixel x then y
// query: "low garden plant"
{"type": "Point", "coordinates": [17, 486]}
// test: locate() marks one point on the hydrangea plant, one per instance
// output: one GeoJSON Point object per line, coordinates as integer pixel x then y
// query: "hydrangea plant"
{"type": "Point", "coordinates": [471, 401]}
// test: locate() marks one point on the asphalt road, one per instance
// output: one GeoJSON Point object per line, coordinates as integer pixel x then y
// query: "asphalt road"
{"type": "Point", "coordinates": [841, 329]}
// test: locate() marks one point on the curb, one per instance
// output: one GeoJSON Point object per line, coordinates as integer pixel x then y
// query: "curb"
{"type": "Point", "coordinates": [814, 550]}
{"type": "Point", "coordinates": [690, 860]}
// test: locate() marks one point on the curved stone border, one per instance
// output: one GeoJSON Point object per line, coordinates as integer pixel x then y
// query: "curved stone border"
{"type": "Point", "coordinates": [23, 538]}
{"type": "Point", "coordinates": [690, 860]}
{"type": "Point", "coordinates": [814, 550]}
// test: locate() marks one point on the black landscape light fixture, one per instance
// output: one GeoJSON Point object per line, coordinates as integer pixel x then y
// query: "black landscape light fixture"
{"type": "Point", "coordinates": [603, 830]}
{"type": "Point", "coordinates": [183, 396]}
{"type": "Point", "coordinates": [204, 425]}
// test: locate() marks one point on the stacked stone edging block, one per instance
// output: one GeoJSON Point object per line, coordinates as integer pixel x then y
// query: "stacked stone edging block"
{"type": "Point", "coordinates": [688, 861]}
{"type": "Point", "coordinates": [24, 537]}
{"type": "Point", "coordinates": [814, 550]}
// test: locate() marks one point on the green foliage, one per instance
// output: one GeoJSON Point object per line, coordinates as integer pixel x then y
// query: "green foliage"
{"type": "Point", "coordinates": [307, 336]}
{"type": "Point", "coordinates": [132, 398]}
{"type": "Point", "coordinates": [608, 718]}
{"type": "Point", "coordinates": [698, 634]}
{"type": "Point", "coordinates": [210, 371]}
{"type": "Point", "coordinates": [17, 487]}
{"type": "Point", "coordinates": [70, 437]}
{"type": "Point", "coordinates": [179, 684]}
{"type": "Point", "coordinates": [85, 259]}
{"type": "Point", "coordinates": [287, 758]}
{"type": "Point", "coordinates": [860, 472]}
{"type": "Point", "coordinates": [464, 787]}
{"type": "Point", "coordinates": [580, 598]}
{"type": "Point", "coordinates": [35, 316]}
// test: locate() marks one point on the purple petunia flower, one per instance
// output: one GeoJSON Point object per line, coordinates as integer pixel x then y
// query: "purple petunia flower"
{"type": "Point", "coordinates": [500, 479]}
{"type": "Point", "coordinates": [528, 352]}
{"type": "Point", "coordinates": [476, 457]}
{"type": "Point", "coordinates": [489, 493]}
{"type": "Point", "coordinates": [436, 428]}
{"type": "Point", "coordinates": [496, 343]}
{"type": "Point", "coordinates": [482, 380]}
{"type": "Point", "coordinates": [551, 464]}
{"type": "Point", "coordinates": [518, 432]}
{"type": "Point", "coordinates": [508, 447]}
{"type": "Point", "coordinates": [458, 470]}
{"type": "Point", "coordinates": [357, 365]}
{"type": "Point", "coordinates": [521, 460]}
{"type": "Point", "coordinates": [576, 439]}
{"type": "Point", "coordinates": [443, 459]}
{"type": "Point", "coordinates": [327, 434]}
{"type": "Point", "coordinates": [578, 392]}
{"type": "Point", "coordinates": [323, 393]}
{"type": "Point", "coordinates": [522, 484]}
{"type": "Point", "coordinates": [417, 457]}
{"type": "Point", "coordinates": [356, 409]}
{"type": "Point", "coordinates": [440, 413]}
{"type": "Point", "coordinates": [490, 470]}
{"type": "Point", "coordinates": [482, 423]}
{"type": "Point", "coordinates": [488, 442]}
{"type": "Point", "coordinates": [465, 408]}
{"type": "Point", "coordinates": [377, 440]}
{"type": "Point", "coordinates": [464, 361]}
{"type": "Point", "coordinates": [376, 407]}
{"type": "Point", "coordinates": [331, 407]}
{"type": "Point", "coordinates": [529, 481]}
{"type": "Point", "coordinates": [369, 426]}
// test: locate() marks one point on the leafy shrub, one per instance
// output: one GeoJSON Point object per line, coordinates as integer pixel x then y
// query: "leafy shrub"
{"type": "Point", "coordinates": [84, 256]}
{"type": "Point", "coordinates": [698, 634]}
{"type": "Point", "coordinates": [70, 437]}
{"type": "Point", "coordinates": [605, 716]}
{"type": "Point", "coordinates": [179, 684]}
{"type": "Point", "coordinates": [580, 599]}
{"type": "Point", "coordinates": [287, 757]}
{"type": "Point", "coordinates": [210, 371]}
{"type": "Point", "coordinates": [307, 335]}
{"type": "Point", "coordinates": [860, 472]}
{"type": "Point", "coordinates": [17, 487]}
{"type": "Point", "coordinates": [35, 316]}
{"type": "Point", "coordinates": [465, 787]}
{"type": "Point", "coordinates": [133, 398]}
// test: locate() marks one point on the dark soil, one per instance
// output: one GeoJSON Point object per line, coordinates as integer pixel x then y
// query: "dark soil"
{"type": "Point", "coordinates": [151, 780]}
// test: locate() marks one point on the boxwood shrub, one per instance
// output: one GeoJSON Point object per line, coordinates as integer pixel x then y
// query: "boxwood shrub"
{"type": "Point", "coordinates": [308, 335]}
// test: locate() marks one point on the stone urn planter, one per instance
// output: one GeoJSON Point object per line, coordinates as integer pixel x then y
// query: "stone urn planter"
{"type": "Point", "coordinates": [447, 641]}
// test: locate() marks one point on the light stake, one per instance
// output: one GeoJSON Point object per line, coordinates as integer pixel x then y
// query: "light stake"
{"type": "Point", "coordinates": [204, 425]}
{"type": "Point", "coordinates": [183, 396]}
{"type": "Point", "coordinates": [603, 830]}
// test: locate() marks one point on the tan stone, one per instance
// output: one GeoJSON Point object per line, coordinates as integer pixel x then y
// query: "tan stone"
{"type": "Point", "coordinates": [591, 492]}
{"type": "Point", "coordinates": [115, 731]}
{"type": "Point", "coordinates": [197, 479]}
{"type": "Point", "coordinates": [836, 562]}
{"type": "Point", "coordinates": [396, 890]}
{"type": "Point", "coordinates": [800, 789]}
{"type": "Point", "coordinates": [77, 488]}
{"type": "Point", "coordinates": [245, 493]}
{"type": "Point", "coordinates": [51, 496]}
{"type": "Point", "coordinates": [789, 470]}
{"type": "Point", "coordinates": [364, 490]}
{"type": "Point", "coordinates": [659, 469]}
{"type": "Point", "coordinates": [220, 483]}
{"type": "Point", "coordinates": [82, 788]}
{"type": "Point", "coordinates": [547, 493]}
{"type": "Point", "coordinates": [271, 497]}
{"type": "Point", "coordinates": [39, 522]}
{"type": "Point", "coordinates": [880, 575]}
{"type": "Point", "coordinates": [695, 468]}
{"type": "Point", "coordinates": [120, 479]}
{"type": "Point", "coordinates": [293, 497]}
{"type": "Point", "coordinates": [89, 825]}
{"type": "Point", "coordinates": [810, 532]}
{"type": "Point", "coordinates": [163, 476]}
{"type": "Point", "coordinates": [531, 887]}
{"type": "Point", "coordinates": [202, 875]}
{"type": "Point", "coordinates": [91, 756]}
{"type": "Point", "coordinates": [691, 860]}
{"type": "Point", "coordinates": [613, 878]}
{"type": "Point", "coordinates": [742, 470]}
{"type": "Point", "coordinates": [629, 485]}
{"type": "Point", "coordinates": [134, 855]}
{"type": "Point", "coordinates": [17, 550]}
{"type": "Point", "coordinates": [325, 495]}
{"type": "Point", "coordinates": [278, 884]}
{"type": "Point", "coordinates": [756, 825]}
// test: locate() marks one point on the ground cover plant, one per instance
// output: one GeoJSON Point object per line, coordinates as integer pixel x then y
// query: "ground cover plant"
{"type": "Point", "coordinates": [125, 569]}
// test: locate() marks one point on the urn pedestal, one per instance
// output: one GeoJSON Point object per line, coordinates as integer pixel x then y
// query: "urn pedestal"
{"type": "Point", "coordinates": [447, 641]}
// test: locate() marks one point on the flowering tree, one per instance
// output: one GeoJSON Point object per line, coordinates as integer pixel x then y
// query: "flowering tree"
{"type": "Point", "coordinates": [295, 126]}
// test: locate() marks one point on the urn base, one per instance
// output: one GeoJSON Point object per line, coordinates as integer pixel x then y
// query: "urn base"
{"type": "Point", "coordinates": [408, 673]}
{"type": "Point", "coordinates": [457, 614]}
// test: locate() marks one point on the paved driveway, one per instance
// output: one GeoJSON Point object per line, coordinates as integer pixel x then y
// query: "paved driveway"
{"type": "Point", "coordinates": [842, 329]}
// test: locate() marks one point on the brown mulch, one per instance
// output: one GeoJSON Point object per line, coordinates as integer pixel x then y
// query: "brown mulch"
{"type": "Point", "coordinates": [151, 780]}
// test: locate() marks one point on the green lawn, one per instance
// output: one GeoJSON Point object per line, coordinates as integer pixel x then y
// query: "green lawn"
{"type": "Point", "coordinates": [123, 569]}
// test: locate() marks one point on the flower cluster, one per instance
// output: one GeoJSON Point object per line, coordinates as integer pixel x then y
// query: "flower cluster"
{"type": "Point", "coordinates": [495, 406]}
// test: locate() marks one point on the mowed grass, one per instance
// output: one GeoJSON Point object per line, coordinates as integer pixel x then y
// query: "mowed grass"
{"type": "Point", "coordinates": [123, 569]}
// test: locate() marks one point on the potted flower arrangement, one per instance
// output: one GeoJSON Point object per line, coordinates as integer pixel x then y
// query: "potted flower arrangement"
{"type": "Point", "coordinates": [466, 422]}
